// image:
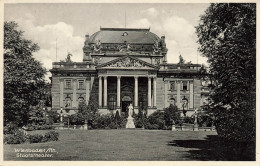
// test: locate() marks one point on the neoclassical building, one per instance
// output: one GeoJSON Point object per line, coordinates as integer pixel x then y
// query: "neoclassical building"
{"type": "Point", "coordinates": [122, 66]}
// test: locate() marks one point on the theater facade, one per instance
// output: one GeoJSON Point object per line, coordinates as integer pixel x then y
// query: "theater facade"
{"type": "Point", "coordinates": [122, 66]}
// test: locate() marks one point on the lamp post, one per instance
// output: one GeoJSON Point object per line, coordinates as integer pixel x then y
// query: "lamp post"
{"type": "Point", "coordinates": [61, 115]}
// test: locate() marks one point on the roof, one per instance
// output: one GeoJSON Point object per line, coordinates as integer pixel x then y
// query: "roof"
{"type": "Point", "coordinates": [119, 35]}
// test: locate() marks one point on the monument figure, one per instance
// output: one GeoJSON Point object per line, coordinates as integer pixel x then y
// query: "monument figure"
{"type": "Point", "coordinates": [130, 110]}
{"type": "Point", "coordinates": [130, 120]}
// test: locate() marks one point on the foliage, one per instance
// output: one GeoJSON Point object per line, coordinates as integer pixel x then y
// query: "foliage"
{"type": "Point", "coordinates": [140, 119]}
{"type": "Point", "coordinates": [23, 76]}
{"type": "Point", "coordinates": [171, 114]}
{"type": "Point", "coordinates": [35, 138]}
{"type": "Point", "coordinates": [10, 128]}
{"type": "Point", "coordinates": [205, 119]}
{"type": "Point", "coordinates": [32, 127]}
{"type": "Point", "coordinates": [188, 119]}
{"type": "Point", "coordinates": [156, 120]}
{"type": "Point", "coordinates": [51, 136]}
{"type": "Point", "coordinates": [76, 119]}
{"type": "Point", "coordinates": [17, 138]}
{"type": "Point", "coordinates": [227, 37]}
{"type": "Point", "coordinates": [53, 117]}
{"type": "Point", "coordinates": [37, 115]}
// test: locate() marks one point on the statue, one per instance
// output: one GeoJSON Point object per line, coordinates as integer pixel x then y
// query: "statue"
{"type": "Point", "coordinates": [130, 110]}
{"type": "Point", "coordinates": [97, 46]}
{"type": "Point", "coordinates": [68, 57]}
{"type": "Point", "coordinates": [184, 105]}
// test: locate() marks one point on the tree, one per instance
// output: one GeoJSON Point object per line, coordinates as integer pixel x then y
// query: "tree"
{"type": "Point", "coordinates": [171, 114]}
{"type": "Point", "coordinates": [227, 37]}
{"type": "Point", "coordinates": [23, 75]}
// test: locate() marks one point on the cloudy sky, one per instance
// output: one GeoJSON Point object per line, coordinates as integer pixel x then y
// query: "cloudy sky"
{"type": "Point", "coordinates": [68, 23]}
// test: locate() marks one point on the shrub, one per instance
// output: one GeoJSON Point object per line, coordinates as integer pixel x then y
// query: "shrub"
{"type": "Point", "coordinates": [36, 138]}
{"type": "Point", "coordinates": [156, 120]}
{"type": "Point", "coordinates": [51, 136]}
{"type": "Point", "coordinates": [188, 119]}
{"type": "Point", "coordinates": [172, 114]}
{"type": "Point", "coordinates": [17, 138]}
{"type": "Point", "coordinates": [205, 120]}
{"type": "Point", "coordinates": [32, 127]}
{"type": "Point", "coordinates": [10, 128]}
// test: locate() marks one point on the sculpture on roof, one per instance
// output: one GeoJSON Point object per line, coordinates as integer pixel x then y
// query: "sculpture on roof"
{"type": "Point", "coordinates": [68, 57]}
{"type": "Point", "coordinates": [97, 46]}
{"type": "Point", "coordinates": [163, 44]}
{"type": "Point", "coordinates": [156, 48]}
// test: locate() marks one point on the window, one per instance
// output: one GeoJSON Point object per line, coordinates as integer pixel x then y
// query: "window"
{"type": "Point", "coordinates": [67, 84]}
{"type": "Point", "coordinates": [112, 103]}
{"type": "Point", "coordinates": [184, 85]}
{"type": "Point", "coordinates": [172, 86]}
{"type": "Point", "coordinates": [81, 84]}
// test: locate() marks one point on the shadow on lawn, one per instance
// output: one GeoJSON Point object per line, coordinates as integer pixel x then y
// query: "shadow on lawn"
{"type": "Point", "coordinates": [213, 148]}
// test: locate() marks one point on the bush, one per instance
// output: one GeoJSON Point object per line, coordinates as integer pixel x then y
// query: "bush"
{"type": "Point", "coordinates": [205, 120]}
{"type": "Point", "coordinates": [156, 120]}
{"type": "Point", "coordinates": [10, 128]}
{"type": "Point", "coordinates": [17, 138]}
{"type": "Point", "coordinates": [51, 136]}
{"type": "Point", "coordinates": [172, 114]}
{"type": "Point", "coordinates": [36, 138]}
{"type": "Point", "coordinates": [32, 127]}
{"type": "Point", "coordinates": [188, 119]}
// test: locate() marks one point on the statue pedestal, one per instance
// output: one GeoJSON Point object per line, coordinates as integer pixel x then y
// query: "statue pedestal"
{"type": "Point", "coordinates": [130, 123]}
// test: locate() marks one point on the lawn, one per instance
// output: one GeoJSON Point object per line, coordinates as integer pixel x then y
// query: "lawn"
{"type": "Point", "coordinates": [125, 145]}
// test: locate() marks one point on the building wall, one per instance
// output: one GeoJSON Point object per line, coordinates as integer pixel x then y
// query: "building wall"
{"type": "Point", "coordinates": [55, 92]}
{"type": "Point", "coordinates": [160, 93]}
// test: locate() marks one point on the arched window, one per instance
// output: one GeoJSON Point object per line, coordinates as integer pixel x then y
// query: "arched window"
{"type": "Point", "coordinates": [112, 103]}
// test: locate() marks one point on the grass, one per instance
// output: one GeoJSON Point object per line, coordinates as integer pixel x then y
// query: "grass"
{"type": "Point", "coordinates": [126, 145]}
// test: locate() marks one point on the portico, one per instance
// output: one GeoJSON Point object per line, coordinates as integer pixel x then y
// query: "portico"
{"type": "Point", "coordinates": [133, 96]}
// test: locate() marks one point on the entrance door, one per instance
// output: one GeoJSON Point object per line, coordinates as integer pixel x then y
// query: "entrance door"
{"type": "Point", "coordinates": [125, 105]}
{"type": "Point", "coordinates": [126, 100]}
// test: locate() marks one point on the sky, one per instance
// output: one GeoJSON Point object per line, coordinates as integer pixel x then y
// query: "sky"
{"type": "Point", "coordinates": [69, 23]}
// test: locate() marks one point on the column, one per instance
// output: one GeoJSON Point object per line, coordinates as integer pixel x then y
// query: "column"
{"type": "Point", "coordinates": [165, 94]}
{"type": "Point", "coordinates": [74, 102]}
{"type": "Point", "coordinates": [118, 90]}
{"type": "Point", "coordinates": [136, 91]}
{"type": "Point", "coordinates": [154, 91]}
{"type": "Point", "coordinates": [100, 92]}
{"type": "Point", "coordinates": [61, 92]}
{"type": "Point", "coordinates": [87, 90]}
{"type": "Point", "coordinates": [105, 91]}
{"type": "Point", "coordinates": [178, 93]}
{"type": "Point", "coordinates": [191, 95]}
{"type": "Point", "coordinates": [149, 92]}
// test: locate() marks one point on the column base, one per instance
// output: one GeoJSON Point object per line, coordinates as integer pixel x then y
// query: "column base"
{"type": "Point", "coordinates": [136, 109]}
{"type": "Point", "coordinates": [103, 111]}
{"type": "Point", "coordinates": [151, 110]}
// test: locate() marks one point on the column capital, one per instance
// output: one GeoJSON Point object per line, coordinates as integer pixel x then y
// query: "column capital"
{"type": "Point", "coordinates": [105, 77]}
{"type": "Point", "coordinates": [118, 77]}
{"type": "Point", "coordinates": [154, 77]}
{"type": "Point", "coordinates": [149, 77]}
{"type": "Point", "coordinates": [74, 79]}
{"type": "Point", "coordinates": [136, 77]}
{"type": "Point", "coordinates": [61, 79]}
{"type": "Point", "coordinates": [100, 76]}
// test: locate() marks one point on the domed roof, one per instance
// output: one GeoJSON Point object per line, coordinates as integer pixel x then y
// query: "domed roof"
{"type": "Point", "coordinates": [119, 35]}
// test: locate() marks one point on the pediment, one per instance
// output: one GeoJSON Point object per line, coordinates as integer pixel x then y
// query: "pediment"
{"type": "Point", "coordinates": [127, 62]}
